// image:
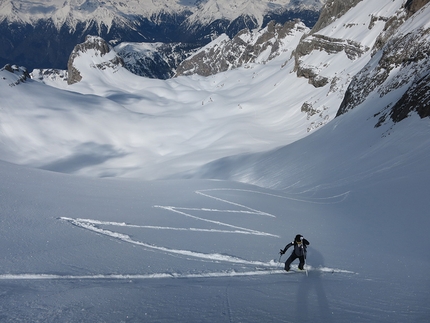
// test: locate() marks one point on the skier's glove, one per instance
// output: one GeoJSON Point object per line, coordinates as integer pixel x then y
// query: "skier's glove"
{"type": "Point", "coordinates": [282, 252]}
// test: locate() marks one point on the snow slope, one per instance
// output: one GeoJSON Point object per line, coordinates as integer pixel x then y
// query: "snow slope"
{"type": "Point", "coordinates": [113, 123]}
{"type": "Point", "coordinates": [134, 124]}
{"type": "Point", "coordinates": [82, 249]}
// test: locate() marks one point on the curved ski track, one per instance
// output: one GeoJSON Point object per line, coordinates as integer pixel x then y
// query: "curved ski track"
{"type": "Point", "coordinates": [261, 268]}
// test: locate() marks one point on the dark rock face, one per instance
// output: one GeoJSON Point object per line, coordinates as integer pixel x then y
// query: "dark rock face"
{"type": "Point", "coordinates": [332, 10]}
{"type": "Point", "coordinates": [416, 98]}
{"type": "Point", "coordinates": [159, 63]}
{"type": "Point", "coordinates": [412, 6]}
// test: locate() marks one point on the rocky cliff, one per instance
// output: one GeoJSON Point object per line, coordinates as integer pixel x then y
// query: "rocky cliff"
{"type": "Point", "coordinates": [400, 69]}
{"type": "Point", "coordinates": [314, 41]}
{"type": "Point", "coordinates": [13, 75]}
{"type": "Point", "coordinates": [246, 47]}
{"type": "Point", "coordinates": [332, 10]}
{"type": "Point", "coordinates": [100, 49]}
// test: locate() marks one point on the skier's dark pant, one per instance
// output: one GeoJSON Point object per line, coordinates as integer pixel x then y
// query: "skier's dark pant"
{"type": "Point", "coordinates": [292, 258]}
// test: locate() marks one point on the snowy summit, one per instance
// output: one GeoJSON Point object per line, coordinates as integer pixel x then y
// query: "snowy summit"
{"type": "Point", "coordinates": [72, 12]}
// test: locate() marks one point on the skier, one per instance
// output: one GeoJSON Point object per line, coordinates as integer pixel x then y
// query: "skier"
{"type": "Point", "coordinates": [299, 251]}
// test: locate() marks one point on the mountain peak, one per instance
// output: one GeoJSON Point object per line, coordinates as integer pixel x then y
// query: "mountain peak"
{"type": "Point", "coordinates": [247, 47]}
{"type": "Point", "coordinates": [96, 53]}
{"type": "Point", "coordinates": [13, 74]}
{"type": "Point", "coordinates": [105, 12]}
{"type": "Point", "coordinates": [56, 26]}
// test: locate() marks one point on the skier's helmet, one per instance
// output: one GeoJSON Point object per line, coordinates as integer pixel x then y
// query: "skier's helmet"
{"type": "Point", "coordinates": [298, 237]}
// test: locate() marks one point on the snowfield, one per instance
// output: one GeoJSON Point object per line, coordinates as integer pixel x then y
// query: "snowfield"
{"type": "Point", "coordinates": [124, 199]}
{"type": "Point", "coordinates": [80, 249]}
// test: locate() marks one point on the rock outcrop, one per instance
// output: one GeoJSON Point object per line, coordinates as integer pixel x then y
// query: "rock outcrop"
{"type": "Point", "coordinates": [332, 10]}
{"type": "Point", "coordinates": [19, 74]}
{"type": "Point", "coordinates": [401, 66]}
{"type": "Point", "coordinates": [412, 6]}
{"type": "Point", "coordinates": [316, 42]}
{"type": "Point", "coordinates": [101, 48]}
{"type": "Point", "coordinates": [246, 47]}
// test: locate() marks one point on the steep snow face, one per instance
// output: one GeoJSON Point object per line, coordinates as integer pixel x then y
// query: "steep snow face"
{"type": "Point", "coordinates": [78, 249]}
{"type": "Point", "coordinates": [392, 87]}
{"type": "Point", "coordinates": [401, 67]}
{"type": "Point", "coordinates": [351, 36]}
{"type": "Point", "coordinates": [332, 10]}
{"type": "Point", "coordinates": [330, 57]}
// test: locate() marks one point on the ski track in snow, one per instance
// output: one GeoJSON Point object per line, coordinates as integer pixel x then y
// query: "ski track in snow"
{"type": "Point", "coordinates": [91, 224]}
{"type": "Point", "coordinates": [260, 267]}
{"type": "Point", "coordinates": [232, 273]}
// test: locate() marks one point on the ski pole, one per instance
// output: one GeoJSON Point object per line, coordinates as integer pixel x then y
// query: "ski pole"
{"type": "Point", "coordinates": [306, 267]}
{"type": "Point", "coordinates": [279, 261]}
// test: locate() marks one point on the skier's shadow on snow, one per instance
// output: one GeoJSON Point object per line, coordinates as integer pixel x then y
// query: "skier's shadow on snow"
{"type": "Point", "coordinates": [311, 285]}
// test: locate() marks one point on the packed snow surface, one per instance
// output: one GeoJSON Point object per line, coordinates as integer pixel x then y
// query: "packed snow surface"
{"type": "Point", "coordinates": [82, 249]}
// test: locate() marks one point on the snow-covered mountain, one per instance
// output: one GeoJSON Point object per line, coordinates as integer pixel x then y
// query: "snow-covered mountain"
{"type": "Point", "coordinates": [154, 60]}
{"type": "Point", "coordinates": [386, 97]}
{"type": "Point", "coordinates": [106, 13]}
{"type": "Point", "coordinates": [91, 249]}
{"type": "Point", "coordinates": [163, 61]}
{"type": "Point", "coordinates": [101, 54]}
{"type": "Point", "coordinates": [400, 65]}
{"type": "Point", "coordinates": [258, 46]}
{"type": "Point", "coordinates": [258, 107]}
{"type": "Point", "coordinates": [50, 29]}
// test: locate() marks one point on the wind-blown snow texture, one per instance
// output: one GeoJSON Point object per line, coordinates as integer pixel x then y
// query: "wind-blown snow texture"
{"type": "Point", "coordinates": [90, 249]}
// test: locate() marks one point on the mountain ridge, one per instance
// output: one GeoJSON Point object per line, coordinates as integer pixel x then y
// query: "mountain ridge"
{"type": "Point", "coordinates": [386, 102]}
{"type": "Point", "coordinates": [51, 31]}
{"type": "Point", "coordinates": [260, 106]}
{"type": "Point", "coordinates": [105, 12]}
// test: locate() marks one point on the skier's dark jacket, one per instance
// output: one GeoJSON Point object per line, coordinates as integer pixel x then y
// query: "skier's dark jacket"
{"type": "Point", "coordinates": [299, 250]}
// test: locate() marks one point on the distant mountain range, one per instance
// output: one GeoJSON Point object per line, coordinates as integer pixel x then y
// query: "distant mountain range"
{"type": "Point", "coordinates": [261, 90]}
{"type": "Point", "coordinates": [42, 35]}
